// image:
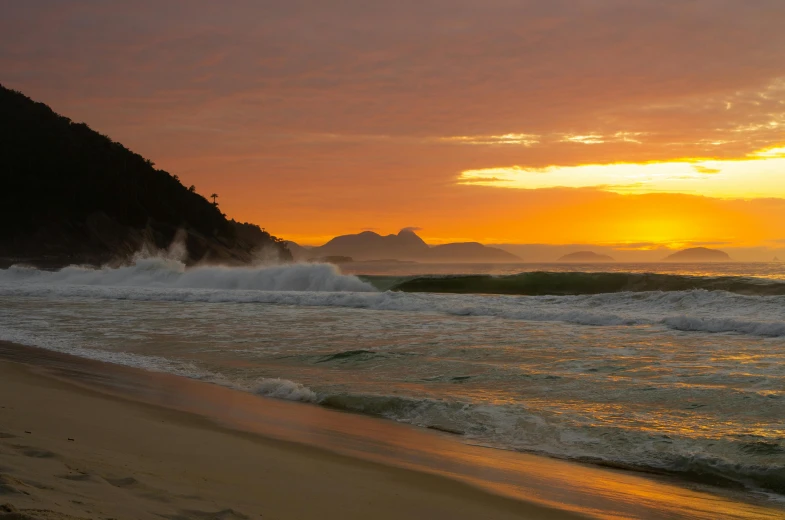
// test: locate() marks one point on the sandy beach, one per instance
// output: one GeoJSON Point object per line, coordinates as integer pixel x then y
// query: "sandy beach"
{"type": "Point", "coordinates": [71, 453]}
{"type": "Point", "coordinates": [72, 446]}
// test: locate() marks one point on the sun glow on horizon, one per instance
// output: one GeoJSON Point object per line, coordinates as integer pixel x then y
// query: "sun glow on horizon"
{"type": "Point", "coordinates": [760, 174]}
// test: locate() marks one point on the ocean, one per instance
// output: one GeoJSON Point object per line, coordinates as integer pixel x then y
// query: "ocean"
{"type": "Point", "coordinates": [674, 369]}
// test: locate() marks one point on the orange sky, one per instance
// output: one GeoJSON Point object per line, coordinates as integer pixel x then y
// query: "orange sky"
{"type": "Point", "coordinates": [463, 118]}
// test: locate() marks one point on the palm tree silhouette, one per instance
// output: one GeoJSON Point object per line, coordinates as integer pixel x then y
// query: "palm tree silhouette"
{"type": "Point", "coordinates": [214, 196]}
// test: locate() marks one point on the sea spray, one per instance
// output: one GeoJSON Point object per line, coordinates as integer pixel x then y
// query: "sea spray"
{"type": "Point", "coordinates": [163, 272]}
{"type": "Point", "coordinates": [322, 285]}
{"type": "Point", "coordinates": [286, 390]}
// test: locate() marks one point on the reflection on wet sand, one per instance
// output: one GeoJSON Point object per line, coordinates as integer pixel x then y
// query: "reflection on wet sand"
{"type": "Point", "coordinates": [599, 492]}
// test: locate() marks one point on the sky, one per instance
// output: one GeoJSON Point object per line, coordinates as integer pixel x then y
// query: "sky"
{"type": "Point", "coordinates": [636, 124]}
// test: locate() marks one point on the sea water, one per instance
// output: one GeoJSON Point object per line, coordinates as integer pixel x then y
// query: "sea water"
{"type": "Point", "coordinates": [683, 374]}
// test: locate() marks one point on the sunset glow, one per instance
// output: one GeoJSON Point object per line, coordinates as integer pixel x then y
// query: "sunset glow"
{"type": "Point", "coordinates": [518, 123]}
{"type": "Point", "coordinates": [761, 174]}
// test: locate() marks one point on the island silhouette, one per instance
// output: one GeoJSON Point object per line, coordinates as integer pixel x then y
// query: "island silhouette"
{"type": "Point", "coordinates": [406, 245]}
{"type": "Point", "coordinates": [698, 254]}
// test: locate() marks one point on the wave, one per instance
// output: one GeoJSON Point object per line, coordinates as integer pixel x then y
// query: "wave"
{"type": "Point", "coordinates": [162, 272]}
{"type": "Point", "coordinates": [322, 285]}
{"type": "Point", "coordinates": [145, 362]}
{"type": "Point", "coordinates": [748, 461]}
{"type": "Point", "coordinates": [539, 283]}
{"type": "Point", "coordinates": [165, 270]}
{"type": "Point", "coordinates": [349, 355]}
{"type": "Point", "coordinates": [286, 390]}
{"type": "Point", "coordinates": [742, 463]}
{"type": "Point", "coordinates": [717, 325]}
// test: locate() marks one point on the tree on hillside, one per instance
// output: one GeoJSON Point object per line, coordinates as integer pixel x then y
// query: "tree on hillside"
{"type": "Point", "coordinates": [80, 197]}
{"type": "Point", "coordinates": [214, 196]}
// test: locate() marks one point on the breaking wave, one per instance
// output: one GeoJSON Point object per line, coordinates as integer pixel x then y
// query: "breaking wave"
{"type": "Point", "coordinates": [162, 272]}
{"type": "Point", "coordinates": [286, 390]}
{"type": "Point", "coordinates": [689, 311]}
{"type": "Point", "coordinates": [743, 463]}
{"type": "Point", "coordinates": [539, 283]}
{"type": "Point", "coordinates": [323, 285]}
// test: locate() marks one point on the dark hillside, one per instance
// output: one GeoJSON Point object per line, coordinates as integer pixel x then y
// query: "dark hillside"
{"type": "Point", "coordinates": [74, 195]}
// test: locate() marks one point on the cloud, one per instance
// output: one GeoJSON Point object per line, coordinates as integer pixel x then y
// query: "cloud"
{"type": "Point", "coordinates": [423, 68]}
{"type": "Point", "coordinates": [357, 112]}
{"type": "Point", "coordinates": [505, 139]}
{"type": "Point", "coordinates": [705, 169]}
{"type": "Point", "coordinates": [758, 174]}
{"type": "Point", "coordinates": [584, 139]}
{"type": "Point", "coordinates": [713, 243]}
{"type": "Point", "coordinates": [485, 181]}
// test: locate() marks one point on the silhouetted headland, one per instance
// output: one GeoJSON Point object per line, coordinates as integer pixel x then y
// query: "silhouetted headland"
{"type": "Point", "coordinates": [77, 196]}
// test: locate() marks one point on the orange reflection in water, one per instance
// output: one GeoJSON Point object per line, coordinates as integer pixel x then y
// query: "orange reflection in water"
{"type": "Point", "coordinates": [589, 490]}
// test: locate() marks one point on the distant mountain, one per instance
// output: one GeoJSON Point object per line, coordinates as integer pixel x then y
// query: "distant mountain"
{"type": "Point", "coordinates": [469, 252]}
{"type": "Point", "coordinates": [406, 246]}
{"type": "Point", "coordinates": [586, 256]}
{"type": "Point", "coordinates": [698, 254]}
{"type": "Point", "coordinates": [75, 196]}
{"type": "Point", "coordinates": [368, 245]}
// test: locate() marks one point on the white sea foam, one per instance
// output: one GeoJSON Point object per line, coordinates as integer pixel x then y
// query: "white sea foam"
{"type": "Point", "coordinates": [515, 427]}
{"type": "Point", "coordinates": [751, 327]}
{"type": "Point", "coordinates": [285, 389]}
{"type": "Point", "coordinates": [63, 344]}
{"type": "Point", "coordinates": [165, 272]}
{"type": "Point", "coordinates": [322, 285]}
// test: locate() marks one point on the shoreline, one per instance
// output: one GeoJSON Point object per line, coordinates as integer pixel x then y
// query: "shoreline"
{"type": "Point", "coordinates": [410, 464]}
{"type": "Point", "coordinates": [142, 461]}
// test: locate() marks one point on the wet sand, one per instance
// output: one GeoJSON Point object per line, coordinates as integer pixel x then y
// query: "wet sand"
{"type": "Point", "coordinates": [84, 439]}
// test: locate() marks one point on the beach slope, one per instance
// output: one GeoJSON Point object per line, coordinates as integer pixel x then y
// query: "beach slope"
{"type": "Point", "coordinates": [69, 452]}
